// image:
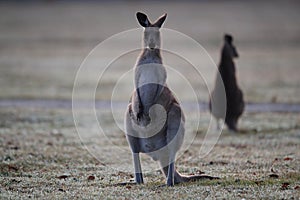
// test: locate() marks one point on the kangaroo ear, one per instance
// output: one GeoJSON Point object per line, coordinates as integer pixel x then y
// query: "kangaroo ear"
{"type": "Point", "coordinates": [160, 21]}
{"type": "Point", "coordinates": [143, 19]}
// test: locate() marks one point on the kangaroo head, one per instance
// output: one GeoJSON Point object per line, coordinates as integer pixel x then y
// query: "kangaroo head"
{"type": "Point", "coordinates": [151, 32]}
{"type": "Point", "coordinates": [228, 39]}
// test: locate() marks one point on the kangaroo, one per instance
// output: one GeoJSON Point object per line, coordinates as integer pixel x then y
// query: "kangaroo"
{"type": "Point", "coordinates": [234, 96]}
{"type": "Point", "coordinates": [154, 121]}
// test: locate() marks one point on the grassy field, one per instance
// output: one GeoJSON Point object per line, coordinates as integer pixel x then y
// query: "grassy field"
{"type": "Point", "coordinates": [42, 155]}
{"type": "Point", "coordinates": [42, 45]}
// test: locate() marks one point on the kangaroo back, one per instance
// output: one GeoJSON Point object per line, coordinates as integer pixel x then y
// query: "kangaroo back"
{"type": "Point", "coordinates": [234, 95]}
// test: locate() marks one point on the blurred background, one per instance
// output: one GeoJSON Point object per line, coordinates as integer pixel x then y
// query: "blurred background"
{"type": "Point", "coordinates": [43, 43]}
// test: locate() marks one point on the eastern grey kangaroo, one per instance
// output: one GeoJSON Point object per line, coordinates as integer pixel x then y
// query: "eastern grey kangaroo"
{"type": "Point", "coordinates": [234, 96]}
{"type": "Point", "coordinates": [154, 121]}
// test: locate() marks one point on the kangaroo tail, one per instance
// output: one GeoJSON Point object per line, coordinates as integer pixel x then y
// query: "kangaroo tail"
{"type": "Point", "coordinates": [179, 178]}
{"type": "Point", "coordinates": [232, 124]}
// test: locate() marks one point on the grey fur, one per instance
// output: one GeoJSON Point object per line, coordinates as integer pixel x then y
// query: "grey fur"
{"type": "Point", "coordinates": [227, 88]}
{"type": "Point", "coordinates": [154, 121]}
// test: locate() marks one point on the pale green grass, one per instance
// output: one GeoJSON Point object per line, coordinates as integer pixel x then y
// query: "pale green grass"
{"type": "Point", "coordinates": [41, 49]}
{"type": "Point", "coordinates": [43, 45]}
{"type": "Point", "coordinates": [38, 146]}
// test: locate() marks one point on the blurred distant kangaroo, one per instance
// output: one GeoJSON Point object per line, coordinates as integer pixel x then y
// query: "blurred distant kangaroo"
{"type": "Point", "coordinates": [234, 96]}
{"type": "Point", "coordinates": [154, 121]}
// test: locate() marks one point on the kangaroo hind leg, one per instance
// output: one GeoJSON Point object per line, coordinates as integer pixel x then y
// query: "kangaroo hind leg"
{"type": "Point", "coordinates": [175, 135]}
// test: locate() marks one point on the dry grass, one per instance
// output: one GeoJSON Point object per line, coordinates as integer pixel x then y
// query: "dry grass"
{"type": "Point", "coordinates": [43, 45]}
{"type": "Point", "coordinates": [42, 157]}
{"type": "Point", "coordinates": [41, 48]}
